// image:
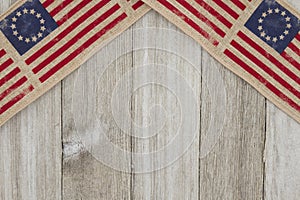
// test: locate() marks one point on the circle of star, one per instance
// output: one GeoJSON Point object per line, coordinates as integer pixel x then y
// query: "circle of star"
{"type": "Point", "coordinates": [35, 37]}
{"type": "Point", "coordinates": [276, 11]}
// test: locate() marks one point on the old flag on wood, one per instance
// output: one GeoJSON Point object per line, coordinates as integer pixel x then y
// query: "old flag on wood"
{"type": "Point", "coordinates": [259, 40]}
{"type": "Point", "coordinates": [42, 41]}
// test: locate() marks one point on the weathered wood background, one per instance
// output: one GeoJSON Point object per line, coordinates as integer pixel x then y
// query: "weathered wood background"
{"type": "Point", "coordinates": [245, 148]}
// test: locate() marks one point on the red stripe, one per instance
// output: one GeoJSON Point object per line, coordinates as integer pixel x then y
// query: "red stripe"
{"type": "Point", "coordinates": [13, 87]}
{"type": "Point", "coordinates": [73, 12]}
{"type": "Point", "coordinates": [137, 5]}
{"type": "Point", "coordinates": [265, 68]}
{"type": "Point", "coordinates": [61, 6]}
{"type": "Point", "coordinates": [78, 36]}
{"type": "Point", "coordinates": [2, 53]}
{"type": "Point", "coordinates": [262, 80]}
{"type": "Point", "coordinates": [298, 37]}
{"type": "Point", "coordinates": [189, 21]}
{"type": "Point", "coordinates": [47, 3]}
{"type": "Point", "coordinates": [290, 60]}
{"type": "Point", "coordinates": [7, 63]}
{"type": "Point", "coordinates": [16, 99]}
{"type": "Point", "coordinates": [239, 4]}
{"type": "Point", "coordinates": [269, 57]}
{"type": "Point", "coordinates": [9, 76]}
{"type": "Point", "coordinates": [227, 8]}
{"type": "Point", "coordinates": [294, 48]}
{"type": "Point", "coordinates": [202, 17]}
{"type": "Point", "coordinates": [214, 13]}
{"type": "Point", "coordinates": [65, 32]}
{"type": "Point", "coordinates": [80, 49]}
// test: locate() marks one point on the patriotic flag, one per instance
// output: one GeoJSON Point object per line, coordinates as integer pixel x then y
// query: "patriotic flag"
{"type": "Point", "coordinates": [42, 41]}
{"type": "Point", "coordinates": [258, 40]}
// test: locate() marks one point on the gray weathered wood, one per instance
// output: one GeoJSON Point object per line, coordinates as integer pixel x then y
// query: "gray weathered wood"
{"type": "Point", "coordinates": [168, 49]}
{"type": "Point", "coordinates": [86, 106]}
{"type": "Point", "coordinates": [30, 148]}
{"type": "Point", "coordinates": [232, 157]}
{"type": "Point", "coordinates": [282, 156]}
{"type": "Point", "coordinates": [234, 167]}
{"type": "Point", "coordinates": [30, 151]}
{"type": "Point", "coordinates": [245, 147]}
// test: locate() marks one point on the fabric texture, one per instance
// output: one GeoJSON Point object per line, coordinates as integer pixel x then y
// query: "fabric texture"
{"type": "Point", "coordinates": [42, 41]}
{"type": "Point", "coordinates": [259, 40]}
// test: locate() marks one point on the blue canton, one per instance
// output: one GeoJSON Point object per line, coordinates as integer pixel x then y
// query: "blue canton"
{"type": "Point", "coordinates": [27, 26]}
{"type": "Point", "coordinates": [274, 24]}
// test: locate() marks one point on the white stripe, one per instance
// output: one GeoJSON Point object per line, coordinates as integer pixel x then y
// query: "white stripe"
{"type": "Point", "coordinates": [79, 42]}
{"type": "Point", "coordinates": [293, 55]}
{"type": "Point", "coordinates": [200, 23]}
{"type": "Point", "coordinates": [265, 74]}
{"type": "Point", "coordinates": [211, 17]}
{"type": "Point", "coordinates": [9, 68]}
{"type": "Point", "coordinates": [64, 11]}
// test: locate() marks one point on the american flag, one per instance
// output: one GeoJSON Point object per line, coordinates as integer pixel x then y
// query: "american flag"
{"type": "Point", "coordinates": [45, 40]}
{"type": "Point", "coordinates": [258, 40]}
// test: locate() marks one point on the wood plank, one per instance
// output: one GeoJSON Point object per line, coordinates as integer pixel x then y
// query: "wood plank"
{"type": "Point", "coordinates": [30, 151]}
{"type": "Point", "coordinates": [30, 148]}
{"type": "Point", "coordinates": [87, 116]}
{"type": "Point", "coordinates": [282, 156]}
{"type": "Point", "coordinates": [233, 168]}
{"type": "Point", "coordinates": [230, 164]}
{"type": "Point", "coordinates": [239, 147]}
{"type": "Point", "coordinates": [161, 106]}
{"type": "Point", "coordinates": [282, 153]}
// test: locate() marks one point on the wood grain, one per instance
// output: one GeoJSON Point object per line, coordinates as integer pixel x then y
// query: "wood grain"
{"type": "Point", "coordinates": [282, 156]}
{"type": "Point", "coordinates": [234, 168]}
{"type": "Point", "coordinates": [245, 147]}
{"type": "Point", "coordinates": [86, 100]}
{"type": "Point", "coordinates": [168, 50]}
{"type": "Point", "coordinates": [30, 153]}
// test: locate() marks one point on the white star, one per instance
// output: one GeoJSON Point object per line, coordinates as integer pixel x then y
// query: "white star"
{"type": "Point", "coordinates": [34, 39]}
{"type": "Point", "coordinates": [43, 28]}
{"type": "Point", "coordinates": [286, 32]}
{"type": "Point", "coordinates": [20, 38]}
{"type": "Point", "coordinates": [14, 19]}
{"type": "Point", "coordinates": [277, 10]}
{"type": "Point", "coordinates": [275, 39]}
{"type": "Point", "coordinates": [38, 15]}
{"type": "Point", "coordinates": [260, 20]}
{"type": "Point", "coordinates": [32, 11]}
{"type": "Point", "coordinates": [264, 14]}
{"type": "Point", "coordinates": [289, 26]}
{"type": "Point", "coordinates": [263, 34]}
{"type": "Point", "coordinates": [287, 19]}
{"type": "Point", "coordinates": [25, 11]}
{"type": "Point", "coordinates": [283, 13]}
{"type": "Point", "coordinates": [270, 11]}
{"type": "Point", "coordinates": [27, 40]}
{"type": "Point", "coordinates": [19, 14]}
{"type": "Point", "coordinates": [13, 26]}
{"type": "Point", "coordinates": [268, 38]}
{"type": "Point", "coordinates": [260, 28]}
{"type": "Point", "coordinates": [40, 35]}
{"type": "Point", "coordinates": [42, 21]}
{"type": "Point", "coordinates": [281, 37]}
{"type": "Point", "coordinates": [15, 33]}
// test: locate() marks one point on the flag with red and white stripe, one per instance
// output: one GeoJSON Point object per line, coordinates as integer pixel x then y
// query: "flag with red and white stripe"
{"type": "Point", "coordinates": [258, 40]}
{"type": "Point", "coordinates": [42, 41]}
{"type": "Point", "coordinates": [10, 80]}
